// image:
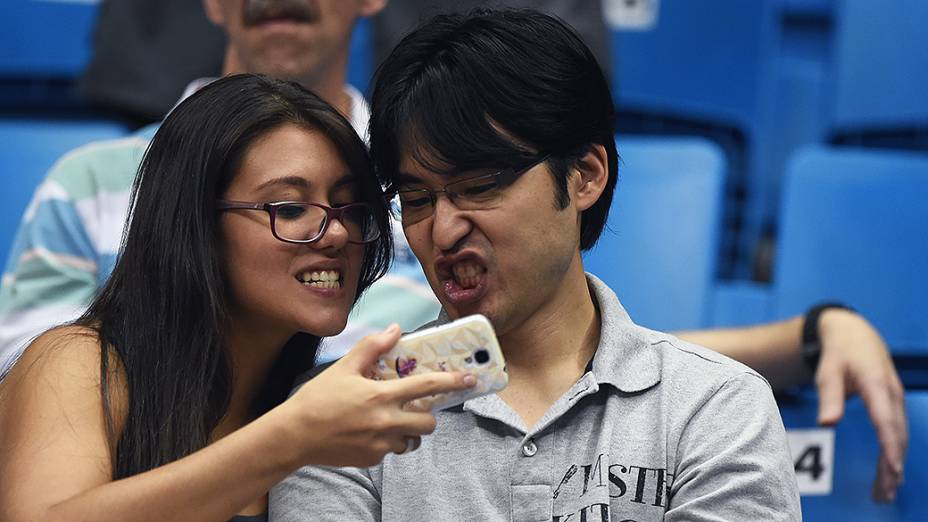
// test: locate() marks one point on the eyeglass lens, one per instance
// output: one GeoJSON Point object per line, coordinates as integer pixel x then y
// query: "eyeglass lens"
{"type": "Point", "coordinates": [304, 222]}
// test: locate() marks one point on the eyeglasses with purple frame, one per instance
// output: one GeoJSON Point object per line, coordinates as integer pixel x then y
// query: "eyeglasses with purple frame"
{"type": "Point", "coordinates": [298, 219]}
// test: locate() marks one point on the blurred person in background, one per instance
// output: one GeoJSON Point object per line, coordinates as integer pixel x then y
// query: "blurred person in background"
{"type": "Point", "coordinates": [68, 240]}
{"type": "Point", "coordinates": [145, 53]}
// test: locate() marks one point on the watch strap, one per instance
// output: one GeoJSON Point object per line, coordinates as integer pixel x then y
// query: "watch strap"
{"type": "Point", "coordinates": [811, 340]}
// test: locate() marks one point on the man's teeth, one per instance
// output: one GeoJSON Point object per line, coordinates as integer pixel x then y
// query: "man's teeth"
{"type": "Point", "coordinates": [467, 273]}
{"type": "Point", "coordinates": [321, 279]}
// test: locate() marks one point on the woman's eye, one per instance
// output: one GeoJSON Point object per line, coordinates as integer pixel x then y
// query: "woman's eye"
{"type": "Point", "coordinates": [290, 211]}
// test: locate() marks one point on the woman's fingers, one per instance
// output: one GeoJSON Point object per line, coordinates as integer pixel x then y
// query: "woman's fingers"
{"type": "Point", "coordinates": [426, 384]}
{"type": "Point", "coordinates": [369, 349]}
{"type": "Point", "coordinates": [415, 423]}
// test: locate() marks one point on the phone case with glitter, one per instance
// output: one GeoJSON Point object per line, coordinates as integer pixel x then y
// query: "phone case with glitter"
{"type": "Point", "coordinates": [468, 344]}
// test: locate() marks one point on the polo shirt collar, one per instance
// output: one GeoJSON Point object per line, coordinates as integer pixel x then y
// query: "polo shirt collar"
{"type": "Point", "coordinates": [625, 358]}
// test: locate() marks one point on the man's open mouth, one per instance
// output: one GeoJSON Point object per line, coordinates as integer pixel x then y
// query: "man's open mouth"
{"type": "Point", "coordinates": [467, 273]}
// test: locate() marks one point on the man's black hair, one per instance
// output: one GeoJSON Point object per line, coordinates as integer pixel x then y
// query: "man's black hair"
{"type": "Point", "coordinates": [492, 89]}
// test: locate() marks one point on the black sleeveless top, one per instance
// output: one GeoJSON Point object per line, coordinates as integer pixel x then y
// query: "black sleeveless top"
{"type": "Point", "coordinates": [249, 518]}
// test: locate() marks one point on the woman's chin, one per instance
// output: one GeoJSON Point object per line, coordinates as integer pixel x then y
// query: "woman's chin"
{"type": "Point", "coordinates": [329, 329]}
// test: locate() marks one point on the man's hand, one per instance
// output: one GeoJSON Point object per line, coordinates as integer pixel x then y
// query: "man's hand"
{"type": "Point", "coordinates": [855, 360]}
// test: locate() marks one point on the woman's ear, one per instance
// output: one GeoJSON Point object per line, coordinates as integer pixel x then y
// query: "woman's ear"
{"type": "Point", "coordinates": [593, 174]}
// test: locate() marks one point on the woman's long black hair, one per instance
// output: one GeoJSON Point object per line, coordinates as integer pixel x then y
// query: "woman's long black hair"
{"type": "Point", "coordinates": [163, 311]}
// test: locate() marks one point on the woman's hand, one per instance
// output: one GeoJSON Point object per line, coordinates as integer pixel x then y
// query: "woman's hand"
{"type": "Point", "coordinates": [346, 419]}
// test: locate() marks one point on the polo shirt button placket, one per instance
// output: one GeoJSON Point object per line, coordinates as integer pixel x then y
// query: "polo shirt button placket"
{"type": "Point", "coordinates": [529, 449]}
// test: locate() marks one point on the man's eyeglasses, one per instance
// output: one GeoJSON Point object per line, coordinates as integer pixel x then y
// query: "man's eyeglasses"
{"type": "Point", "coordinates": [302, 222]}
{"type": "Point", "coordinates": [475, 193]}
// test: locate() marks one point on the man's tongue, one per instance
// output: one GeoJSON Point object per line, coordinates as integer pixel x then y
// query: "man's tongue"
{"type": "Point", "coordinates": [467, 274]}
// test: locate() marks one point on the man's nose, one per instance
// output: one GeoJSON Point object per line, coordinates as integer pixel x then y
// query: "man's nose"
{"type": "Point", "coordinates": [449, 225]}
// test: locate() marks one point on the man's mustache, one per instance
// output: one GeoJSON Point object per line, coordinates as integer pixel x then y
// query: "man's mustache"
{"type": "Point", "coordinates": [259, 11]}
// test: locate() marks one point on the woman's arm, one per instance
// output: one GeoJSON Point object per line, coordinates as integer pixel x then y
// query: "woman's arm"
{"type": "Point", "coordinates": [57, 460]}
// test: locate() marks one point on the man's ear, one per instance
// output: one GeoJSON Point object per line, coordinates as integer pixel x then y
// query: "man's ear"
{"type": "Point", "coordinates": [371, 7]}
{"type": "Point", "coordinates": [214, 12]}
{"type": "Point", "coordinates": [593, 174]}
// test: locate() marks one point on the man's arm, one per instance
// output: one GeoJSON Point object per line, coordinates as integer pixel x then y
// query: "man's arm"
{"type": "Point", "coordinates": [325, 493]}
{"type": "Point", "coordinates": [733, 462]}
{"type": "Point", "coordinates": [854, 360]}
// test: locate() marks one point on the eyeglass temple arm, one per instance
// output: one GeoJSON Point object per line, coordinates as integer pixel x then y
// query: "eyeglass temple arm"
{"type": "Point", "coordinates": [227, 204]}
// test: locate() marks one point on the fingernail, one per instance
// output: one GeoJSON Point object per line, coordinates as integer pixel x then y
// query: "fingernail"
{"type": "Point", "coordinates": [392, 329]}
{"type": "Point", "coordinates": [470, 380]}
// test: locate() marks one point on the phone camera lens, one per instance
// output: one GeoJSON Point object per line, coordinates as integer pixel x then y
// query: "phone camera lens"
{"type": "Point", "coordinates": [482, 356]}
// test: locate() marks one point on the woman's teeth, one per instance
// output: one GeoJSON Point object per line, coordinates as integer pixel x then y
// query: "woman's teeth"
{"type": "Point", "coordinates": [467, 274]}
{"type": "Point", "coordinates": [322, 279]}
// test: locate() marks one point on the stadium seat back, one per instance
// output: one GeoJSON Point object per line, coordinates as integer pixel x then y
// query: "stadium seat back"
{"type": "Point", "coordinates": [880, 69]}
{"type": "Point", "coordinates": [854, 228]}
{"type": "Point", "coordinates": [659, 250]}
{"type": "Point", "coordinates": [44, 38]}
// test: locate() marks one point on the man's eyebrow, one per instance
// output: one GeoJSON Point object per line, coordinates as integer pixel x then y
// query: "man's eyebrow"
{"type": "Point", "coordinates": [402, 178]}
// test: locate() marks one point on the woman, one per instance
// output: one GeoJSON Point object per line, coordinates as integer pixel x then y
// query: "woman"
{"type": "Point", "coordinates": [256, 224]}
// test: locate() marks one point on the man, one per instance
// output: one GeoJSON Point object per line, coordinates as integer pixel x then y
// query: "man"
{"type": "Point", "coordinates": [496, 131]}
{"type": "Point", "coordinates": [68, 240]}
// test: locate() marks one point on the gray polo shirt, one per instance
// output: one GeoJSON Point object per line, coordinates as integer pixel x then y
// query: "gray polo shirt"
{"type": "Point", "coordinates": [656, 429]}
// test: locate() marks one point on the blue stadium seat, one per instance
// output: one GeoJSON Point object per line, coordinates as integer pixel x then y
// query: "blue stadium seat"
{"type": "Point", "coordinates": [740, 303]}
{"type": "Point", "coordinates": [710, 68]}
{"type": "Point", "coordinates": [880, 71]}
{"type": "Point", "coordinates": [659, 250]}
{"type": "Point", "coordinates": [28, 148]}
{"type": "Point", "coordinates": [45, 38]}
{"type": "Point", "coordinates": [855, 456]}
{"type": "Point", "coordinates": [702, 60]}
{"type": "Point", "coordinates": [854, 224]}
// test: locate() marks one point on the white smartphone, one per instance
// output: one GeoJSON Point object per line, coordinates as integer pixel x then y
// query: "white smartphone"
{"type": "Point", "coordinates": [468, 344]}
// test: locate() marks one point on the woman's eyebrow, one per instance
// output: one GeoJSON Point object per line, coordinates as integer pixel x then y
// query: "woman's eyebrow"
{"type": "Point", "coordinates": [289, 181]}
{"type": "Point", "coordinates": [345, 180]}
{"type": "Point", "coordinates": [301, 182]}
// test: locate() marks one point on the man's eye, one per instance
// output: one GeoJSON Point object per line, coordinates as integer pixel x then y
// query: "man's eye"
{"type": "Point", "coordinates": [478, 188]}
{"type": "Point", "coordinates": [290, 211]}
{"type": "Point", "coordinates": [414, 200]}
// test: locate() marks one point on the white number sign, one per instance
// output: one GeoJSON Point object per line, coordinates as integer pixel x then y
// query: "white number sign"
{"type": "Point", "coordinates": [813, 453]}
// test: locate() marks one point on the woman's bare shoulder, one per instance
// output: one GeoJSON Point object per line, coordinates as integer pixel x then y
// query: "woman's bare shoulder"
{"type": "Point", "coordinates": [73, 350]}
{"type": "Point", "coordinates": [64, 362]}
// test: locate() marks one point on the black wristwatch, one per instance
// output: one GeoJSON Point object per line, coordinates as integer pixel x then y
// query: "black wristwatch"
{"type": "Point", "coordinates": [811, 341]}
